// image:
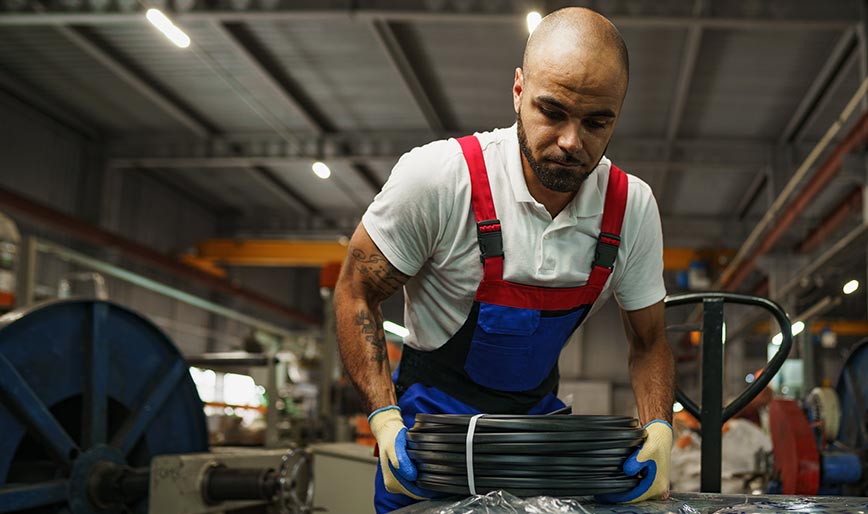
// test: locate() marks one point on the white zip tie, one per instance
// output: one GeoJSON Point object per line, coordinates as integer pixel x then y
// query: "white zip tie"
{"type": "Point", "coordinates": [471, 428]}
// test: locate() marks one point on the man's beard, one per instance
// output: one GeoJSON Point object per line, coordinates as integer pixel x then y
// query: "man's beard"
{"type": "Point", "coordinates": [556, 178]}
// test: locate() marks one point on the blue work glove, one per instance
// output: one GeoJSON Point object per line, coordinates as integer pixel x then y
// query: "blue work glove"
{"type": "Point", "coordinates": [652, 458]}
{"type": "Point", "coordinates": [399, 472]}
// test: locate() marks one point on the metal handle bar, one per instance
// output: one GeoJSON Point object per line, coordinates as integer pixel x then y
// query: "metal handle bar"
{"type": "Point", "coordinates": [773, 365]}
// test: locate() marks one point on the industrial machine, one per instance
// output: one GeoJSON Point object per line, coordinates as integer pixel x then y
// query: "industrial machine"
{"type": "Point", "coordinates": [820, 445]}
{"type": "Point", "coordinates": [99, 414]}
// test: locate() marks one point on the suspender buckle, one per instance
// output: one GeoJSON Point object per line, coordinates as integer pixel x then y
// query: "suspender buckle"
{"type": "Point", "coordinates": [607, 250]}
{"type": "Point", "coordinates": [490, 239]}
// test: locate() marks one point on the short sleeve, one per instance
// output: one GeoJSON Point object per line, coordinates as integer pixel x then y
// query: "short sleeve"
{"type": "Point", "coordinates": [408, 217]}
{"type": "Point", "coordinates": [640, 283]}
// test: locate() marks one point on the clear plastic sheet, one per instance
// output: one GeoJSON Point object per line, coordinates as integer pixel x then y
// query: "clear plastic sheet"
{"type": "Point", "coordinates": [501, 502]}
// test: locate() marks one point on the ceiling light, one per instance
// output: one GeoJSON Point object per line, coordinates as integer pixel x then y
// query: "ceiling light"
{"type": "Point", "coordinates": [165, 25]}
{"type": "Point", "coordinates": [677, 407]}
{"type": "Point", "coordinates": [796, 329]}
{"type": "Point", "coordinates": [750, 378]}
{"type": "Point", "coordinates": [321, 170]}
{"type": "Point", "coordinates": [851, 287]}
{"type": "Point", "coordinates": [394, 328]}
{"type": "Point", "coordinates": [533, 19]}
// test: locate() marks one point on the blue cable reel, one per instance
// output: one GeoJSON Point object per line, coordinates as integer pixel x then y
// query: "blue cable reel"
{"type": "Point", "coordinates": [852, 389]}
{"type": "Point", "coordinates": [84, 383]}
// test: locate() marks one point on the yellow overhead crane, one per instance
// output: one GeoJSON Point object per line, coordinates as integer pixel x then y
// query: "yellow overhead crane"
{"type": "Point", "coordinates": [271, 252]}
{"type": "Point", "coordinates": [308, 253]}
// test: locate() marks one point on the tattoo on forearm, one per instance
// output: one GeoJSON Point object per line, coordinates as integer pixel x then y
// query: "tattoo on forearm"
{"type": "Point", "coordinates": [374, 335]}
{"type": "Point", "coordinates": [378, 274]}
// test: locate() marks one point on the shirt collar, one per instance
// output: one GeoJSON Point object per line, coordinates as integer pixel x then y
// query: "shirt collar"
{"type": "Point", "coordinates": [587, 203]}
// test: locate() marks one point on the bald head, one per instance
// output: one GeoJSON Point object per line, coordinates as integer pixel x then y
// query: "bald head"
{"type": "Point", "coordinates": [575, 33]}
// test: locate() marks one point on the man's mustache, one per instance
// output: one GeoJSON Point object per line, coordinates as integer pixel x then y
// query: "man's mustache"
{"type": "Point", "coordinates": [566, 159]}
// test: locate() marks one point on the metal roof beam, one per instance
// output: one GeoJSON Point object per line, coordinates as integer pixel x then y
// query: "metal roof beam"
{"type": "Point", "coordinates": [149, 88]}
{"type": "Point", "coordinates": [831, 69]}
{"type": "Point", "coordinates": [735, 15]}
{"type": "Point", "coordinates": [388, 39]}
{"type": "Point", "coordinates": [682, 90]}
{"type": "Point", "coordinates": [279, 189]}
{"type": "Point", "coordinates": [31, 98]}
{"type": "Point", "coordinates": [136, 79]}
{"type": "Point", "coordinates": [371, 145]}
{"type": "Point", "coordinates": [267, 71]}
{"type": "Point", "coordinates": [367, 175]}
{"type": "Point", "coordinates": [247, 162]}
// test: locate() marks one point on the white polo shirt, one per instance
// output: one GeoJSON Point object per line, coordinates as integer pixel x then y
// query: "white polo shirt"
{"type": "Point", "coordinates": [423, 223]}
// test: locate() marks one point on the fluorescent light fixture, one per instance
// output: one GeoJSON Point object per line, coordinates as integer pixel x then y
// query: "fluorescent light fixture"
{"type": "Point", "coordinates": [321, 170]}
{"type": "Point", "coordinates": [796, 329]}
{"type": "Point", "coordinates": [677, 407]}
{"type": "Point", "coordinates": [165, 25]}
{"type": "Point", "coordinates": [533, 19]}
{"type": "Point", "coordinates": [749, 378]}
{"type": "Point", "coordinates": [394, 328]}
{"type": "Point", "coordinates": [851, 287]}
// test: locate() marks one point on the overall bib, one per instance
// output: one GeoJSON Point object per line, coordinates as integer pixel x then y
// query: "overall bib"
{"type": "Point", "coordinates": [503, 360]}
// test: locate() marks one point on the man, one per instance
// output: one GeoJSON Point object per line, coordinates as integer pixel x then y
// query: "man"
{"type": "Point", "coordinates": [503, 242]}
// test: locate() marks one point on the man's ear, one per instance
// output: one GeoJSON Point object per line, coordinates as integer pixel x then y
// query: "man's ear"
{"type": "Point", "coordinates": [517, 88]}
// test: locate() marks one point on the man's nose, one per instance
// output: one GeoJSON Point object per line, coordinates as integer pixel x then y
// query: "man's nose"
{"type": "Point", "coordinates": [570, 140]}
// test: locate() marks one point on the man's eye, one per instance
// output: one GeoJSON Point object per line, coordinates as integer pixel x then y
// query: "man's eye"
{"type": "Point", "coordinates": [595, 124]}
{"type": "Point", "coordinates": [552, 115]}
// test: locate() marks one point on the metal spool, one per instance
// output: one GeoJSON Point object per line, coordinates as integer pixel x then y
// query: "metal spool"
{"type": "Point", "coordinates": [84, 383]}
{"type": "Point", "coordinates": [823, 405]}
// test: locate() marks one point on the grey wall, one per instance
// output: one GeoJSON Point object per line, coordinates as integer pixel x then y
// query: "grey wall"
{"type": "Point", "coordinates": [47, 162]}
{"type": "Point", "coordinates": [54, 165]}
{"type": "Point", "coordinates": [296, 287]}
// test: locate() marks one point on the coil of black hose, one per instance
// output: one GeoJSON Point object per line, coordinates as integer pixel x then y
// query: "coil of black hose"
{"type": "Point", "coordinates": [556, 455]}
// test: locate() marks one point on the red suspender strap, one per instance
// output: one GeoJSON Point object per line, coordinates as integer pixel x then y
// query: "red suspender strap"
{"type": "Point", "coordinates": [483, 205]}
{"type": "Point", "coordinates": [616, 202]}
{"type": "Point", "coordinates": [610, 230]}
{"type": "Point", "coordinates": [488, 231]}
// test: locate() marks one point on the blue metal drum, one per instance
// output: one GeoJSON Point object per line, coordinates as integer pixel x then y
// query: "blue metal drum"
{"type": "Point", "coordinates": [82, 382]}
{"type": "Point", "coordinates": [852, 392]}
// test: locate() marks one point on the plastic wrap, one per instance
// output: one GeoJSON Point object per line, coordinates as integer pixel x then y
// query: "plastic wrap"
{"type": "Point", "coordinates": [501, 502]}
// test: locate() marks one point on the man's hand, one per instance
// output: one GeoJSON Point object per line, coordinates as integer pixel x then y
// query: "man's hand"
{"type": "Point", "coordinates": [391, 434]}
{"type": "Point", "coordinates": [653, 458]}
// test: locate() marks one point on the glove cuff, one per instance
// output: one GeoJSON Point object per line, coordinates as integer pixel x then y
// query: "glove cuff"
{"type": "Point", "coordinates": [661, 421]}
{"type": "Point", "coordinates": [382, 409]}
{"type": "Point", "coordinates": [383, 418]}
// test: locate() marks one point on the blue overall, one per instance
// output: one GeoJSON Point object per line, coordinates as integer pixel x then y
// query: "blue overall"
{"type": "Point", "coordinates": [503, 360]}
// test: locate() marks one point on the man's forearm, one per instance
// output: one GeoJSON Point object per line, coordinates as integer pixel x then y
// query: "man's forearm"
{"type": "Point", "coordinates": [367, 278]}
{"type": "Point", "coordinates": [362, 344]}
{"type": "Point", "coordinates": [652, 373]}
